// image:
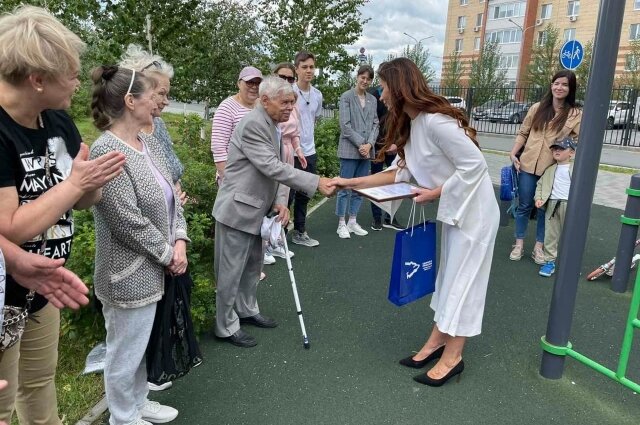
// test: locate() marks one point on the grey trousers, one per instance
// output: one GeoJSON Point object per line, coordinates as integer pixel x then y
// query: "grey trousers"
{"type": "Point", "coordinates": [554, 217]}
{"type": "Point", "coordinates": [237, 263]}
{"type": "Point", "coordinates": [125, 369]}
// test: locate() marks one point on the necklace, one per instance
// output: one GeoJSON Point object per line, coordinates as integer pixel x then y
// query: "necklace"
{"type": "Point", "coordinates": [306, 99]}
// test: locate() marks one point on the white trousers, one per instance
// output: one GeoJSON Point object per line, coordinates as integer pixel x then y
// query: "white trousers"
{"type": "Point", "coordinates": [125, 369]}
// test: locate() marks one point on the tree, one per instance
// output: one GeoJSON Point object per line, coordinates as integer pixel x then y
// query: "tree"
{"type": "Point", "coordinates": [206, 42]}
{"type": "Point", "coordinates": [323, 27]}
{"type": "Point", "coordinates": [485, 76]}
{"type": "Point", "coordinates": [74, 14]}
{"type": "Point", "coordinates": [582, 72]}
{"type": "Point", "coordinates": [545, 59]}
{"type": "Point", "coordinates": [451, 73]}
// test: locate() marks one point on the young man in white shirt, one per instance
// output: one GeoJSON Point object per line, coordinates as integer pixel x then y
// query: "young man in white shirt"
{"type": "Point", "coordinates": [309, 106]}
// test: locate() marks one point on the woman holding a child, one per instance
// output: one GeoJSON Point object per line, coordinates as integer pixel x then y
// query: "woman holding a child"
{"type": "Point", "coordinates": [553, 118]}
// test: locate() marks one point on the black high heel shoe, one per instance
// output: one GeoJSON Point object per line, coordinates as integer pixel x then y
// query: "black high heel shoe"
{"type": "Point", "coordinates": [419, 364]}
{"type": "Point", "coordinates": [426, 380]}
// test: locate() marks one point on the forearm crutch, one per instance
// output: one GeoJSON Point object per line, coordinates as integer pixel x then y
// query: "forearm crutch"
{"type": "Point", "coordinates": [305, 339]}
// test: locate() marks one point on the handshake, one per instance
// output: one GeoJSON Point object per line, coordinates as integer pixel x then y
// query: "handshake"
{"type": "Point", "coordinates": [329, 186]}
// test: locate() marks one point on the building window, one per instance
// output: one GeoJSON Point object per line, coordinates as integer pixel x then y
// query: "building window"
{"type": "Point", "coordinates": [476, 43]}
{"type": "Point", "coordinates": [569, 34]}
{"type": "Point", "coordinates": [464, 2]}
{"type": "Point", "coordinates": [542, 37]}
{"type": "Point", "coordinates": [573, 8]}
{"type": "Point", "coordinates": [634, 32]}
{"type": "Point", "coordinates": [508, 61]}
{"type": "Point", "coordinates": [505, 36]}
{"type": "Point", "coordinates": [458, 46]}
{"type": "Point", "coordinates": [508, 10]}
{"type": "Point", "coordinates": [481, 1]}
{"type": "Point", "coordinates": [462, 22]}
{"type": "Point", "coordinates": [545, 13]}
{"type": "Point", "coordinates": [636, 5]}
{"type": "Point", "coordinates": [479, 17]}
{"type": "Point", "coordinates": [631, 62]}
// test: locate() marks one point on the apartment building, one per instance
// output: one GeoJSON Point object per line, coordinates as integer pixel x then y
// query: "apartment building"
{"type": "Point", "coordinates": [518, 24]}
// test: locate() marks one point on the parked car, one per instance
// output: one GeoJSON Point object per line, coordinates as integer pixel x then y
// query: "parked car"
{"type": "Point", "coordinates": [621, 112]}
{"type": "Point", "coordinates": [513, 112]}
{"type": "Point", "coordinates": [481, 112]}
{"type": "Point", "coordinates": [457, 101]}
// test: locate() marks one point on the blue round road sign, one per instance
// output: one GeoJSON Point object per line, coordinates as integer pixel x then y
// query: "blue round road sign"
{"type": "Point", "coordinates": [571, 54]}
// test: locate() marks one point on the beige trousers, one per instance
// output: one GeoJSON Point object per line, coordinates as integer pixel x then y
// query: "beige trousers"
{"type": "Point", "coordinates": [553, 228]}
{"type": "Point", "coordinates": [30, 368]}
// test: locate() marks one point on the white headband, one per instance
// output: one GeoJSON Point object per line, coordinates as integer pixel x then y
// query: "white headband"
{"type": "Point", "coordinates": [133, 76]}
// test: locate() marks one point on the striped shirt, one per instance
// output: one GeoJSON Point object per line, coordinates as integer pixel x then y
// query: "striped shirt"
{"type": "Point", "coordinates": [227, 116]}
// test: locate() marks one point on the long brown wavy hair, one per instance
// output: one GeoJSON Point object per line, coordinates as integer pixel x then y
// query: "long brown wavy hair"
{"type": "Point", "coordinates": [546, 115]}
{"type": "Point", "coordinates": [408, 87]}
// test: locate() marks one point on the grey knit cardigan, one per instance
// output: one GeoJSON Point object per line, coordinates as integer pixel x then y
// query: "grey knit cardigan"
{"type": "Point", "coordinates": [133, 239]}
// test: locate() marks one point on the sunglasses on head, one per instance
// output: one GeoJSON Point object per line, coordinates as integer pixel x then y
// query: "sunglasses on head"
{"type": "Point", "coordinates": [290, 80]}
{"type": "Point", "coordinates": [154, 63]}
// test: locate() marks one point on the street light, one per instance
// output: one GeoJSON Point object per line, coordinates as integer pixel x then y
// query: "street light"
{"type": "Point", "coordinates": [415, 39]}
{"type": "Point", "coordinates": [521, 59]}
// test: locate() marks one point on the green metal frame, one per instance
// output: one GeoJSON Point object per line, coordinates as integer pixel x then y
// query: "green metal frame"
{"type": "Point", "coordinates": [627, 341]}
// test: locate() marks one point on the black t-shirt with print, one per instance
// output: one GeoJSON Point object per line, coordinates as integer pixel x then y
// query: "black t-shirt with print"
{"type": "Point", "coordinates": [22, 165]}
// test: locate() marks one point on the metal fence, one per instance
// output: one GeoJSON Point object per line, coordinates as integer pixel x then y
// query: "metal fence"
{"type": "Point", "coordinates": [502, 110]}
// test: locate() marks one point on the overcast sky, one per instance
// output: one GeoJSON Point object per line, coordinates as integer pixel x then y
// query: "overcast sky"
{"type": "Point", "coordinates": [383, 34]}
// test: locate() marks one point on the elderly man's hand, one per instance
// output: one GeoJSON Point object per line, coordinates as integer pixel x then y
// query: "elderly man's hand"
{"type": "Point", "coordinates": [48, 278]}
{"type": "Point", "coordinates": [283, 214]}
{"type": "Point", "coordinates": [326, 187]}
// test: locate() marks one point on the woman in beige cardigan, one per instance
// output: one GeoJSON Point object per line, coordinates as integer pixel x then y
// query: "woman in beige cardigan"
{"type": "Point", "coordinates": [553, 118]}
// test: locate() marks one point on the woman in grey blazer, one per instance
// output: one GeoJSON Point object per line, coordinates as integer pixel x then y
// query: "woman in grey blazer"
{"type": "Point", "coordinates": [356, 148]}
{"type": "Point", "coordinates": [140, 236]}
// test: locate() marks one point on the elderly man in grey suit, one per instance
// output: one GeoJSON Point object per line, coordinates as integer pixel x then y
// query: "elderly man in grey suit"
{"type": "Point", "coordinates": [254, 186]}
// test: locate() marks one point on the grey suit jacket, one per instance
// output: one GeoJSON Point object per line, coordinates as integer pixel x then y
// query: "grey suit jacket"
{"type": "Point", "coordinates": [357, 125]}
{"type": "Point", "coordinates": [254, 169]}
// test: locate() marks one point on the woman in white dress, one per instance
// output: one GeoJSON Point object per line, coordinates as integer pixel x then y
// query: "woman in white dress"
{"type": "Point", "coordinates": [437, 148]}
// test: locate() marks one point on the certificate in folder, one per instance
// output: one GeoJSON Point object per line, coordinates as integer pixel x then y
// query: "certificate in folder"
{"type": "Point", "coordinates": [389, 192]}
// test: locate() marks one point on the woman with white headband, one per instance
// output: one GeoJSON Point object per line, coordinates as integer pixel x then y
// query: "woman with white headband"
{"type": "Point", "coordinates": [140, 236]}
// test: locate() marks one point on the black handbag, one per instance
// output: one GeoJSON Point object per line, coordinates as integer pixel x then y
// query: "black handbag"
{"type": "Point", "coordinates": [173, 349]}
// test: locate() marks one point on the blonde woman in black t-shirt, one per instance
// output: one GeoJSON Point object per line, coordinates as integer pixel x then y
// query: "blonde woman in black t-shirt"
{"type": "Point", "coordinates": [44, 174]}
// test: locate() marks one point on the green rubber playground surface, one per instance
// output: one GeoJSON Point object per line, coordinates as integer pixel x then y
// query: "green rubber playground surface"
{"type": "Point", "coordinates": [350, 375]}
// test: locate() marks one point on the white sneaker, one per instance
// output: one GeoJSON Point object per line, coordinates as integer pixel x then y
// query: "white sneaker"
{"type": "Point", "coordinates": [161, 387]}
{"type": "Point", "coordinates": [354, 227]}
{"type": "Point", "coordinates": [139, 422]}
{"type": "Point", "coordinates": [279, 252]}
{"type": "Point", "coordinates": [157, 413]}
{"type": "Point", "coordinates": [343, 232]}
{"type": "Point", "coordinates": [268, 259]}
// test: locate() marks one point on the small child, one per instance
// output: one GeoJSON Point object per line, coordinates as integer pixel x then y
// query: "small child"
{"type": "Point", "coordinates": [552, 190]}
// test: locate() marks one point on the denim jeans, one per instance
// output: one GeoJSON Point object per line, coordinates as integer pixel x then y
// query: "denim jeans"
{"type": "Point", "coordinates": [350, 168]}
{"type": "Point", "coordinates": [377, 167]}
{"type": "Point", "coordinates": [526, 193]}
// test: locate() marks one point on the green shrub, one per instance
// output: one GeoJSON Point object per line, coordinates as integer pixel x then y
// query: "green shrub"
{"type": "Point", "coordinates": [327, 134]}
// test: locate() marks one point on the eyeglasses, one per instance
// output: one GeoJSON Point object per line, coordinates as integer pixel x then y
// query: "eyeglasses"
{"type": "Point", "coordinates": [154, 63]}
{"type": "Point", "coordinates": [290, 80]}
{"type": "Point", "coordinates": [253, 83]}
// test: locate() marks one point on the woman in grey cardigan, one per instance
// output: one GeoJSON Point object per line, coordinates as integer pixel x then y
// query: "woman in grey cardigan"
{"type": "Point", "coordinates": [358, 133]}
{"type": "Point", "coordinates": [140, 236]}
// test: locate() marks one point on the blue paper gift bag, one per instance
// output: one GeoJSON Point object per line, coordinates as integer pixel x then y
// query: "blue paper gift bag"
{"type": "Point", "coordinates": [413, 271]}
